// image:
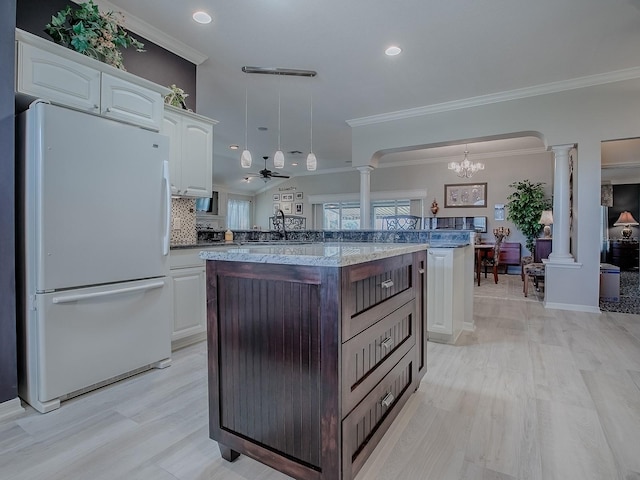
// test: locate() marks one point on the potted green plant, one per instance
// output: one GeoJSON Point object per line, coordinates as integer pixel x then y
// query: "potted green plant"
{"type": "Point", "coordinates": [99, 35]}
{"type": "Point", "coordinates": [525, 206]}
{"type": "Point", "coordinates": [177, 97]}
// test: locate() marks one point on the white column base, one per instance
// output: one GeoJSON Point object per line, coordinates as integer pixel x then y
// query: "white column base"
{"type": "Point", "coordinates": [559, 258]}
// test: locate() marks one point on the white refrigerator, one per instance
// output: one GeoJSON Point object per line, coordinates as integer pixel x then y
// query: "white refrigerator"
{"type": "Point", "coordinates": [94, 249]}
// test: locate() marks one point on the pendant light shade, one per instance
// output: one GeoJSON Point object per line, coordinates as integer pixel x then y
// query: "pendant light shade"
{"type": "Point", "coordinates": [245, 158]}
{"type": "Point", "coordinates": [312, 162]}
{"type": "Point", "coordinates": [278, 158]}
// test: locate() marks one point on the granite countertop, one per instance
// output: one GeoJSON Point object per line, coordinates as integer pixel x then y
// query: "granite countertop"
{"type": "Point", "coordinates": [200, 245]}
{"type": "Point", "coordinates": [313, 254]}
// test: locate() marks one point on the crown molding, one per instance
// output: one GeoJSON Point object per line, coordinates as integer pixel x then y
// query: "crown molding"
{"type": "Point", "coordinates": [456, 158]}
{"type": "Point", "coordinates": [153, 34]}
{"type": "Point", "coordinates": [547, 88]}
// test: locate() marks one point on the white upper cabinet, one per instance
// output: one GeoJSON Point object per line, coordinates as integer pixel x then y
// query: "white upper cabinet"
{"type": "Point", "coordinates": [47, 76]}
{"type": "Point", "coordinates": [131, 103]}
{"type": "Point", "coordinates": [60, 75]}
{"type": "Point", "coordinates": [190, 152]}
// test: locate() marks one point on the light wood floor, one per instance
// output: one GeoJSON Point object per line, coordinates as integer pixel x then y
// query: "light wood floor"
{"type": "Point", "coordinates": [532, 394]}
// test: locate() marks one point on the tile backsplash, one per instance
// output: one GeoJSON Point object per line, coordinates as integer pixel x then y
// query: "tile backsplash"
{"type": "Point", "coordinates": [183, 221]}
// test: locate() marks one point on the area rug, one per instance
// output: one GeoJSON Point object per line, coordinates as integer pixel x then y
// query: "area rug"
{"type": "Point", "coordinates": [629, 295]}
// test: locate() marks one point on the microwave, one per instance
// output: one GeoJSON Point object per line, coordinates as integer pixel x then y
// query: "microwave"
{"type": "Point", "coordinates": [208, 205]}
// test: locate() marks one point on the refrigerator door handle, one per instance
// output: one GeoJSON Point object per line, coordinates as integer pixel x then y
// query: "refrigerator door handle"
{"type": "Point", "coordinates": [118, 291]}
{"type": "Point", "coordinates": [167, 186]}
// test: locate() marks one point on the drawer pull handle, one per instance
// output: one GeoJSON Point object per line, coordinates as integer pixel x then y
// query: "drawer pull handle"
{"type": "Point", "coordinates": [387, 284]}
{"type": "Point", "coordinates": [387, 400]}
{"type": "Point", "coordinates": [387, 343]}
{"type": "Point", "coordinates": [421, 271]}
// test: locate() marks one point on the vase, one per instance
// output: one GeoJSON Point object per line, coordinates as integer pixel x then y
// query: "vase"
{"type": "Point", "coordinates": [434, 207]}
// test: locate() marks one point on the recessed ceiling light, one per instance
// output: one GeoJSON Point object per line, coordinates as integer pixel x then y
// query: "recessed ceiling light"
{"type": "Point", "coordinates": [393, 50]}
{"type": "Point", "coordinates": [202, 17]}
{"type": "Point", "coordinates": [234, 147]}
{"type": "Point", "coordinates": [294, 164]}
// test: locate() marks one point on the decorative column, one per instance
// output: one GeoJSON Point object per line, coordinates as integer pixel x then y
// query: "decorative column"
{"type": "Point", "coordinates": [560, 243]}
{"type": "Point", "coordinates": [365, 197]}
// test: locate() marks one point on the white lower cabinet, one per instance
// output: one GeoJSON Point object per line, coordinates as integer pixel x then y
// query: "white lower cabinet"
{"type": "Point", "coordinates": [449, 292]}
{"type": "Point", "coordinates": [188, 286]}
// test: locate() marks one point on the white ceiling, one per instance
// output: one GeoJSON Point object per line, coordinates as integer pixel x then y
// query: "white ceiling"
{"type": "Point", "coordinates": [452, 49]}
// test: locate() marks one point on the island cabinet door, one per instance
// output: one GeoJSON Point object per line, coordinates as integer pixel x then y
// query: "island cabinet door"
{"type": "Point", "coordinates": [363, 428]}
{"type": "Point", "coordinates": [370, 355]}
{"type": "Point", "coordinates": [273, 373]}
{"type": "Point", "coordinates": [373, 290]}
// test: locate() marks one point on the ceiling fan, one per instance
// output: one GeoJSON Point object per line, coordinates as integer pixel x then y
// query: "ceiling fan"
{"type": "Point", "coordinates": [267, 174]}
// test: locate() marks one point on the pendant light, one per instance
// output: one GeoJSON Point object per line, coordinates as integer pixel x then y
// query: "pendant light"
{"type": "Point", "coordinates": [312, 162]}
{"type": "Point", "coordinates": [278, 158]}
{"type": "Point", "coordinates": [245, 158]}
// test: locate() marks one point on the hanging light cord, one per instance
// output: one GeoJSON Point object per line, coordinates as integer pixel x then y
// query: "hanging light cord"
{"type": "Point", "coordinates": [311, 122]}
{"type": "Point", "coordinates": [246, 114]}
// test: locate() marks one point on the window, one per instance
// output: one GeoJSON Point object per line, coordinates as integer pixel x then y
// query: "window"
{"type": "Point", "coordinates": [341, 216]}
{"type": "Point", "coordinates": [239, 214]}
{"type": "Point", "coordinates": [388, 208]}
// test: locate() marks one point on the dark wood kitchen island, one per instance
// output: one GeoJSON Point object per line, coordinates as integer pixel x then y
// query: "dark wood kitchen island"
{"type": "Point", "coordinates": [313, 350]}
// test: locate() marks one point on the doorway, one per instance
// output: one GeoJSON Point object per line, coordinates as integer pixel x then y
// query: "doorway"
{"type": "Point", "coordinates": [620, 193]}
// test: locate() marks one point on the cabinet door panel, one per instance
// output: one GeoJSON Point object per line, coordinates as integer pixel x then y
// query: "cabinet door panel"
{"type": "Point", "coordinates": [197, 158]}
{"type": "Point", "coordinates": [440, 287]}
{"type": "Point", "coordinates": [132, 103]}
{"type": "Point", "coordinates": [171, 125]}
{"type": "Point", "coordinates": [373, 290]}
{"type": "Point", "coordinates": [363, 428]}
{"type": "Point", "coordinates": [368, 357]}
{"type": "Point", "coordinates": [54, 78]}
{"type": "Point", "coordinates": [189, 302]}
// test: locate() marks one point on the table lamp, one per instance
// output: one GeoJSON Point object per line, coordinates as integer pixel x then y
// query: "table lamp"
{"type": "Point", "coordinates": [501, 232]}
{"type": "Point", "coordinates": [546, 219]}
{"type": "Point", "coordinates": [626, 219]}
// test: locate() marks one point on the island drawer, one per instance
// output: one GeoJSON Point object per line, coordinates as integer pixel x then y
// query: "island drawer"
{"type": "Point", "coordinates": [373, 290]}
{"type": "Point", "coordinates": [370, 355]}
{"type": "Point", "coordinates": [363, 428]}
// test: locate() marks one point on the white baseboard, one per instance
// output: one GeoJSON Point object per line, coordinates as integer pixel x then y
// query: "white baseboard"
{"type": "Point", "coordinates": [186, 341]}
{"type": "Point", "coordinates": [572, 307]}
{"type": "Point", "coordinates": [10, 408]}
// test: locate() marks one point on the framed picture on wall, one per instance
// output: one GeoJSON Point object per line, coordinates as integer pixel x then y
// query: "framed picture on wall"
{"type": "Point", "coordinates": [276, 197]}
{"type": "Point", "coordinates": [276, 207]}
{"type": "Point", "coordinates": [469, 195]}
{"type": "Point", "coordinates": [298, 195]}
{"type": "Point", "coordinates": [298, 209]}
{"type": "Point", "coordinates": [286, 197]}
{"type": "Point", "coordinates": [286, 207]}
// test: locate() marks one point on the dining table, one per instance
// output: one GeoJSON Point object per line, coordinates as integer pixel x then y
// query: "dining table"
{"type": "Point", "coordinates": [482, 251]}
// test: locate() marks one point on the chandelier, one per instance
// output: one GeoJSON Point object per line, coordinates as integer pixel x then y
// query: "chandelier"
{"type": "Point", "coordinates": [465, 169]}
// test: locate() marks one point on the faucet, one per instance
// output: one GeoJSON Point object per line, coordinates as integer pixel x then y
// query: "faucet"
{"type": "Point", "coordinates": [284, 232]}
